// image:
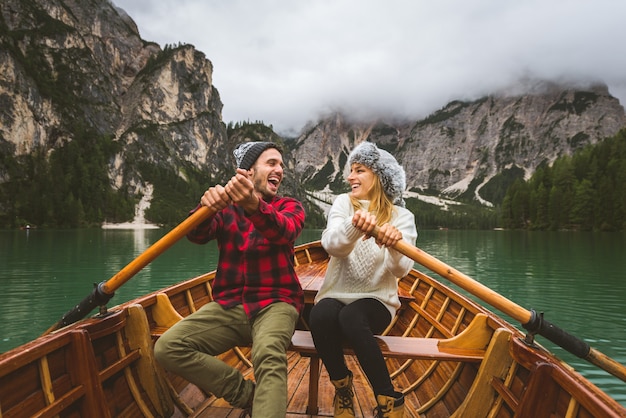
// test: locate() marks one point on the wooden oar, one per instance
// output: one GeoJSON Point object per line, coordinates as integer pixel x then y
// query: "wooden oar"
{"type": "Point", "coordinates": [530, 320]}
{"type": "Point", "coordinates": [104, 291]}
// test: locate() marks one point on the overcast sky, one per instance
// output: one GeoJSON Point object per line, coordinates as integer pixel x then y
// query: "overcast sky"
{"type": "Point", "coordinates": [285, 62]}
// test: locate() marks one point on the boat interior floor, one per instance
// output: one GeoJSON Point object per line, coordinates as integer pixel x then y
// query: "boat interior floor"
{"type": "Point", "coordinates": [298, 389]}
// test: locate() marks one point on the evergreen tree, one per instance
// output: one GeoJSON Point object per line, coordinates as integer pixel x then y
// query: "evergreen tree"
{"type": "Point", "coordinates": [586, 191]}
{"type": "Point", "coordinates": [583, 207]}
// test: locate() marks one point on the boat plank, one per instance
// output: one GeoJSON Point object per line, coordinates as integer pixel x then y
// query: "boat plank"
{"type": "Point", "coordinates": [298, 381]}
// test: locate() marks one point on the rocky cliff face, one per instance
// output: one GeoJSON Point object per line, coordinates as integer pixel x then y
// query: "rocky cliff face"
{"type": "Point", "coordinates": [69, 65]}
{"type": "Point", "coordinates": [464, 145]}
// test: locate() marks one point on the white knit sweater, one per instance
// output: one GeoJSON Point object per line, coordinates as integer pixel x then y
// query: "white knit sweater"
{"type": "Point", "coordinates": [360, 269]}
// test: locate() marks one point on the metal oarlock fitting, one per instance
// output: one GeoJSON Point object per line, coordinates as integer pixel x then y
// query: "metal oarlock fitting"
{"type": "Point", "coordinates": [532, 326]}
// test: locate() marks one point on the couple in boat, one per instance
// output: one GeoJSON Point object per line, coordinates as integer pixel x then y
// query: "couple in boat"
{"type": "Point", "coordinates": [257, 298]}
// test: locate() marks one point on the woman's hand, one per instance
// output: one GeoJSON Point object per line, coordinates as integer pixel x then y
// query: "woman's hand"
{"type": "Point", "coordinates": [388, 235]}
{"type": "Point", "coordinates": [364, 221]}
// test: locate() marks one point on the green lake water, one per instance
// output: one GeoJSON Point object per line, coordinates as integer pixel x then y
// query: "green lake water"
{"type": "Point", "coordinates": [577, 279]}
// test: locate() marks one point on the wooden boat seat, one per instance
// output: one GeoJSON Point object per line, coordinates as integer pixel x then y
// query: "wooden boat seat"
{"type": "Point", "coordinates": [468, 346]}
{"type": "Point", "coordinates": [395, 347]}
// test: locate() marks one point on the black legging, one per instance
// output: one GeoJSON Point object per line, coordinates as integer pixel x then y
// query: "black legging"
{"type": "Point", "coordinates": [332, 322]}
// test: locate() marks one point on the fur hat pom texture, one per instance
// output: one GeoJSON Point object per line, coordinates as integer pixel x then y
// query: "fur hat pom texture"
{"type": "Point", "coordinates": [385, 166]}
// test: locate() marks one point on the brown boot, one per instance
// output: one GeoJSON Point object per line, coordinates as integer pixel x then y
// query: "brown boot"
{"type": "Point", "coordinates": [343, 402]}
{"type": "Point", "coordinates": [389, 407]}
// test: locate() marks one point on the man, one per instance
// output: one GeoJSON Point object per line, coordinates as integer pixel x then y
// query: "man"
{"type": "Point", "coordinates": [257, 298]}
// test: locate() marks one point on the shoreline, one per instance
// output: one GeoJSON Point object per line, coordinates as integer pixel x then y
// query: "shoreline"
{"type": "Point", "coordinates": [129, 225]}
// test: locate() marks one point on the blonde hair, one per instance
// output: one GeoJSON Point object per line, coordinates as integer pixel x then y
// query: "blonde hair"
{"type": "Point", "coordinates": [380, 204]}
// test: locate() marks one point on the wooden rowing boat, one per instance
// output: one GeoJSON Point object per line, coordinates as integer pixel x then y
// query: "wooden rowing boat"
{"type": "Point", "coordinates": [450, 356]}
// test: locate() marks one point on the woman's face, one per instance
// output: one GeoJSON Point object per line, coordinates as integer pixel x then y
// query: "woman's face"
{"type": "Point", "coordinates": [361, 180]}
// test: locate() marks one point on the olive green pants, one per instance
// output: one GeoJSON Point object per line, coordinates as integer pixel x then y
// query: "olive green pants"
{"type": "Point", "coordinates": [190, 346]}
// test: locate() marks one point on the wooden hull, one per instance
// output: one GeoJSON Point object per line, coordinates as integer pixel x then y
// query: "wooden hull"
{"type": "Point", "coordinates": [479, 365]}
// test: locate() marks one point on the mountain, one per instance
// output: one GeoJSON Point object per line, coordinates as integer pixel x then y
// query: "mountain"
{"type": "Point", "coordinates": [93, 117]}
{"type": "Point", "coordinates": [78, 72]}
{"type": "Point", "coordinates": [465, 147]}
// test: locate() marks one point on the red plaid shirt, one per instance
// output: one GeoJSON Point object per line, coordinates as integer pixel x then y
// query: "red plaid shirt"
{"type": "Point", "coordinates": [256, 255]}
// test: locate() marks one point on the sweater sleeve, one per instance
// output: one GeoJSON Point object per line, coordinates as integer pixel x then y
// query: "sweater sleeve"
{"type": "Point", "coordinates": [340, 236]}
{"type": "Point", "coordinates": [397, 263]}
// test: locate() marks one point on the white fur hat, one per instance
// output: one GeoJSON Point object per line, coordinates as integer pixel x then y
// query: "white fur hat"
{"type": "Point", "coordinates": [385, 166]}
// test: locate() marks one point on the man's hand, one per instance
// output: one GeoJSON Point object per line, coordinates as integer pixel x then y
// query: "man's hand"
{"type": "Point", "coordinates": [216, 197]}
{"type": "Point", "coordinates": [241, 191]}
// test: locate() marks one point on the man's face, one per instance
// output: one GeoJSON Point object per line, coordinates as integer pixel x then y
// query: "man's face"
{"type": "Point", "coordinates": [267, 173]}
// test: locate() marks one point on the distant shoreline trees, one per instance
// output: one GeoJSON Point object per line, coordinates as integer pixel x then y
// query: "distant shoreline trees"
{"type": "Point", "coordinates": [586, 192]}
{"type": "Point", "coordinates": [69, 188]}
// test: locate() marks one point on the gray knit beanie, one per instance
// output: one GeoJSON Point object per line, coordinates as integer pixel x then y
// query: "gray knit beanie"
{"type": "Point", "coordinates": [385, 166]}
{"type": "Point", "coordinates": [247, 153]}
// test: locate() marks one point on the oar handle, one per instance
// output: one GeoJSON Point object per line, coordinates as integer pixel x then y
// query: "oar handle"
{"type": "Point", "coordinates": [538, 325]}
{"type": "Point", "coordinates": [104, 291]}
{"type": "Point", "coordinates": [529, 319]}
{"type": "Point", "coordinates": [573, 344]}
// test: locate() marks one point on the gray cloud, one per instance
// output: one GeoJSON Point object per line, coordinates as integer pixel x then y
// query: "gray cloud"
{"type": "Point", "coordinates": [285, 62]}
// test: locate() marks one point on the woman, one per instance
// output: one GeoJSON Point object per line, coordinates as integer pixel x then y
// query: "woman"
{"type": "Point", "coordinates": [359, 296]}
